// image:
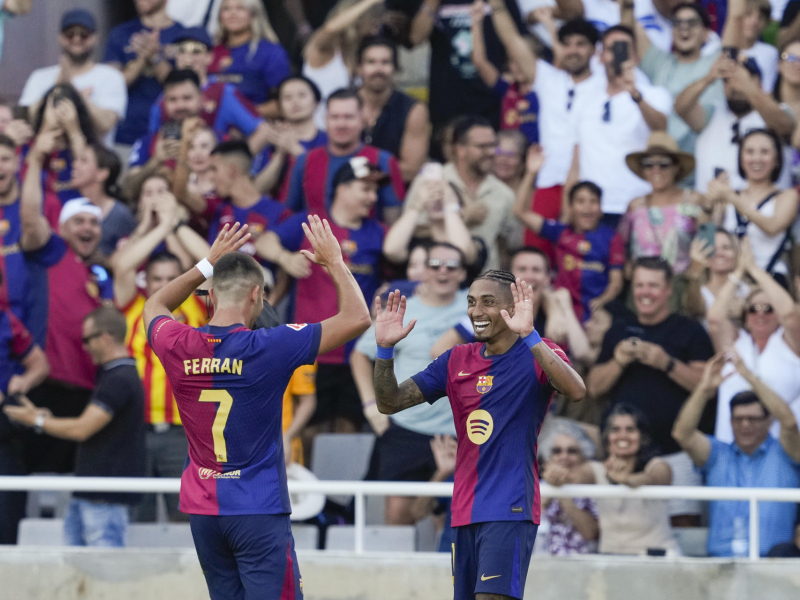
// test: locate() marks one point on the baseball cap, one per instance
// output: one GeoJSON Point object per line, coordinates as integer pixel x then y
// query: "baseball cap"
{"type": "Point", "coordinates": [359, 167]}
{"type": "Point", "coordinates": [194, 34]}
{"type": "Point", "coordinates": [77, 206]}
{"type": "Point", "coordinates": [78, 16]}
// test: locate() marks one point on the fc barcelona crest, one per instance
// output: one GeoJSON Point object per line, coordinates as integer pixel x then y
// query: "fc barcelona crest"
{"type": "Point", "coordinates": [484, 383]}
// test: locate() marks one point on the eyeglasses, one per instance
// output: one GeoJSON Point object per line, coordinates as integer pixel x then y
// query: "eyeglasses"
{"type": "Point", "coordinates": [661, 163]}
{"type": "Point", "coordinates": [760, 309]}
{"type": "Point", "coordinates": [88, 338]}
{"type": "Point", "coordinates": [81, 34]}
{"type": "Point", "coordinates": [743, 420]}
{"type": "Point", "coordinates": [688, 23]}
{"type": "Point", "coordinates": [450, 265]}
{"type": "Point", "coordinates": [500, 152]}
{"type": "Point", "coordinates": [192, 48]}
{"type": "Point", "coordinates": [607, 111]}
{"type": "Point", "coordinates": [790, 58]}
{"type": "Point", "coordinates": [572, 451]}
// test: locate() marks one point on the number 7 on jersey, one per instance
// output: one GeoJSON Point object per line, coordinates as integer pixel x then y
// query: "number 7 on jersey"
{"type": "Point", "coordinates": [225, 401]}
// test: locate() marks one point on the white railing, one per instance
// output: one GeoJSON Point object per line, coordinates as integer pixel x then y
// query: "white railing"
{"type": "Point", "coordinates": [361, 489]}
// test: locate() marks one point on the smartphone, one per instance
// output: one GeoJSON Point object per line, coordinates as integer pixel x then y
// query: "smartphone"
{"type": "Point", "coordinates": [718, 171]}
{"type": "Point", "coordinates": [708, 233]}
{"type": "Point", "coordinates": [620, 53]}
{"type": "Point", "coordinates": [731, 52]}
{"type": "Point", "coordinates": [13, 400]}
{"type": "Point", "coordinates": [20, 113]}
{"type": "Point", "coordinates": [171, 130]}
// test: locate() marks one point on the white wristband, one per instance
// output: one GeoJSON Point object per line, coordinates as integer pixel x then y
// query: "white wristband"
{"type": "Point", "coordinates": [205, 268]}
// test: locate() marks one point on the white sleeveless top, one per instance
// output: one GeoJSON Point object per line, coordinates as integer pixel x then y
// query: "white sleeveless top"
{"type": "Point", "coordinates": [777, 366]}
{"type": "Point", "coordinates": [764, 245]}
{"type": "Point", "coordinates": [328, 78]}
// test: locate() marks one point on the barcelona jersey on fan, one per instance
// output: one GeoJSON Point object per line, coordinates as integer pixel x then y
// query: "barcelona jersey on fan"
{"type": "Point", "coordinates": [229, 384]}
{"type": "Point", "coordinates": [499, 402]}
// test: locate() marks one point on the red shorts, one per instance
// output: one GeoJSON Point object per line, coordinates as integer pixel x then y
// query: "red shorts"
{"type": "Point", "coordinates": [546, 202]}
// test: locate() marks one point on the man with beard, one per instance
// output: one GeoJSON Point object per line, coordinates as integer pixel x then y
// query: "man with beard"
{"type": "Point", "coordinates": [723, 125]}
{"type": "Point", "coordinates": [395, 122]}
{"type": "Point", "coordinates": [103, 87]}
{"type": "Point", "coordinates": [686, 63]}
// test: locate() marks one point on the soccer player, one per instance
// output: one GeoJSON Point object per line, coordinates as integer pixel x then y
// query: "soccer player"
{"type": "Point", "coordinates": [229, 383]}
{"type": "Point", "coordinates": [499, 388]}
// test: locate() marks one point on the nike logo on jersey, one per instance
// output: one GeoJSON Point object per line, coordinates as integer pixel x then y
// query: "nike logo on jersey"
{"type": "Point", "coordinates": [485, 578]}
{"type": "Point", "coordinates": [462, 374]}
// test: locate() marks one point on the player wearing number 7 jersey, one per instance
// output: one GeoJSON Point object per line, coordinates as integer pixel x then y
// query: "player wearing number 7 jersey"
{"type": "Point", "coordinates": [228, 383]}
{"type": "Point", "coordinates": [499, 389]}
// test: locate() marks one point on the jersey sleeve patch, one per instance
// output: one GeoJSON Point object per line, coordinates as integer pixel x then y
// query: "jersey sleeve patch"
{"type": "Point", "coordinates": [296, 326]}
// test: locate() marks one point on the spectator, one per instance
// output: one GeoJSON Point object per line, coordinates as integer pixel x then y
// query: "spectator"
{"type": "Point", "coordinates": [709, 271]}
{"type": "Point", "coordinates": [589, 256]}
{"type": "Point", "coordinates": [787, 91]}
{"type": "Point", "coordinates": [685, 62]}
{"type": "Point", "coordinates": [612, 120]}
{"type": "Point", "coordinates": [355, 186]}
{"type": "Point", "coordinates": [311, 183]}
{"type": "Point", "coordinates": [573, 521]}
{"type": "Point", "coordinates": [431, 213]}
{"type": "Point", "coordinates": [12, 125]}
{"type": "Point", "coordinates": [756, 19]}
{"type": "Point", "coordinates": [249, 55]}
{"type": "Point", "coordinates": [509, 158]}
{"type": "Point", "coordinates": [403, 448]}
{"type": "Point", "coordinates": [663, 222]}
{"type": "Point", "coordinates": [165, 440]}
{"type": "Point", "coordinates": [299, 404]}
{"type": "Point", "coordinates": [416, 267]}
{"type": "Point", "coordinates": [12, 8]}
{"type": "Point", "coordinates": [761, 211]}
{"type": "Point", "coordinates": [395, 122]}
{"type": "Point", "coordinates": [787, 549]}
{"type": "Point", "coordinates": [789, 29]}
{"type": "Point", "coordinates": [76, 285]}
{"type": "Point", "coordinates": [652, 363]}
{"type": "Point", "coordinates": [109, 433]}
{"type": "Point", "coordinates": [455, 86]}
{"type": "Point", "coordinates": [721, 129]}
{"type": "Point", "coordinates": [103, 87]}
{"type": "Point", "coordinates": [23, 366]}
{"type": "Point", "coordinates": [137, 49]}
{"type": "Point", "coordinates": [769, 340]}
{"type": "Point", "coordinates": [630, 526]}
{"type": "Point", "coordinates": [193, 180]}
{"type": "Point", "coordinates": [519, 103]}
{"type": "Point", "coordinates": [94, 175]}
{"type": "Point", "coordinates": [330, 56]}
{"type": "Point", "coordinates": [752, 459]}
{"type": "Point", "coordinates": [298, 98]}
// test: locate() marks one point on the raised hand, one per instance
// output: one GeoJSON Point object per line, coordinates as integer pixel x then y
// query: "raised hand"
{"type": "Point", "coordinates": [535, 159]}
{"type": "Point", "coordinates": [522, 321]}
{"type": "Point", "coordinates": [746, 258]}
{"type": "Point", "coordinates": [389, 325]}
{"type": "Point", "coordinates": [477, 11]}
{"type": "Point", "coordinates": [325, 245]}
{"type": "Point", "coordinates": [445, 449]}
{"type": "Point", "coordinates": [712, 372]}
{"type": "Point", "coordinates": [230, 239]}
{"type": "Point", "coordinates": [700, 252]}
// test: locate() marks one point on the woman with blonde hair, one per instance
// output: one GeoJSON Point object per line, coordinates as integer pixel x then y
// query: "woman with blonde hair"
{"type": "Point", "coordinates": [330, 54]}
{"type": "Point", "coordinates": [248, 55]}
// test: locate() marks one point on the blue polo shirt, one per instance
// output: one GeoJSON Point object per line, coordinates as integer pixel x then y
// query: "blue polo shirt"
{"type": "Point", "coordinates": [767, 467]}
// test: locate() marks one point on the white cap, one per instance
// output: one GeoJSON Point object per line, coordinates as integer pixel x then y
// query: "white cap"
{"type": "Point", "coordinates": [78, 206]}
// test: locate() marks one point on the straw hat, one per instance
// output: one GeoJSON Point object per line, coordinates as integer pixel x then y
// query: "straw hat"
{"type": "Point", "coordinates": [661, 142]}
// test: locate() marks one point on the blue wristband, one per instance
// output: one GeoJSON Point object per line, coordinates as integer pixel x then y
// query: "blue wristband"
{"type": "Point", "coordinates": [532, 339]}
{"type": "Point", "coordinates": [385, 353]}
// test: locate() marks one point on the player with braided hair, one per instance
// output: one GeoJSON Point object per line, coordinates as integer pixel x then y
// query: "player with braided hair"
{"type": "Point", "coordinates": [499, 388]}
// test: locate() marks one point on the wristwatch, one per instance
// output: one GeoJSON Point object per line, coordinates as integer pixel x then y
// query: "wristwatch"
{"type": "Point", "coordinates": [637, 97]}
{"type": "Point", "coordinates": [670, 366]}
{"type": "Point", "coordinates": [38, 423]}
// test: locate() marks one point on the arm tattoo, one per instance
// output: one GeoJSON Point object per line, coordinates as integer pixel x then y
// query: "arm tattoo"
{"type": "Point", "coordinates": [549, 361]}
{"type": "Point", "coordinates": [390, 397]}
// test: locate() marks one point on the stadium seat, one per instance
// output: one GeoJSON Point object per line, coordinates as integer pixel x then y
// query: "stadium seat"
{"type": "Point", "coordinates": [692, 540]}
{"type": "Point", "coordinates": [160, 535]}
{"type": "Point", "coordinates": [377, 538]}
{"type": "Point", "coordinates": [41, 532]}
{"type": "Point", "coordinates": [426, 534]}
{"type": "Point", "coordinates": [327, 462]}
{"type": "Point", "coordinates": [376, 510]}
{"type": "Point", "coordinates": [306, 537]}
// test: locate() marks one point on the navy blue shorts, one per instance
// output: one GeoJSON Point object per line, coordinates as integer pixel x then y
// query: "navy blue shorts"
{"type": "Point", "coordinates": [492, 558]}
{"type": "Point", "coordinates": [247, 557]}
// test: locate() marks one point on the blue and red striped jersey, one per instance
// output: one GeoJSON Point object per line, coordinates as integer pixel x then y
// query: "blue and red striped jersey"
{"type": "Point", "coordinates": [229, 383]}
{"type": "Point", "coordinates": [499, 403]}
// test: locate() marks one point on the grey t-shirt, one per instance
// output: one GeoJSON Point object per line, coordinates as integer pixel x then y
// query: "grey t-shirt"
{"type": "Point", "coordinates": [118, 224]}
{"type": "Point", "coordinates": [413, 355]}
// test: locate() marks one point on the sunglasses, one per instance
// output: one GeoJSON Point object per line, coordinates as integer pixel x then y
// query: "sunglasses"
{"type": "Point", "coordinates": [81, 34]}
{"type": "Point", "coordinates": [88, 338]}
{"type": "Point", "coordinates": [760, 309]}
{"type": "Point", "coordinates": [790, 58]}
{"type": "Point", "coordinates": [661, 163]}
{"type": "Point", "coordinates": [450, 265]}
{"type": "Point", "coordinates": [572, 451]}
{"type": "Point", "coordinates": [192, 48]}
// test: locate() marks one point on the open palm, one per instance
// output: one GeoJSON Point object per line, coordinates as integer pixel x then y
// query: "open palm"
{"type": "Point", "coordinates": [389, 325]}
{"type": "Point", "coordinates": [522, 321]}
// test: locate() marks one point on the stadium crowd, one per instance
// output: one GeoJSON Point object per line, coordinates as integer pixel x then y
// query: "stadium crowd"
{"type": "Point", "coordinates": [636, 161]}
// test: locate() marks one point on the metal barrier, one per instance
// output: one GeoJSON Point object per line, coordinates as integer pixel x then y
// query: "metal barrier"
{"type": "Point", "coordinates": [361, 489]}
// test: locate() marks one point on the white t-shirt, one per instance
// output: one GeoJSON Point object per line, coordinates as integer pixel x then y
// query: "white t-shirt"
{"type": "Point", "coordinates": [558, 94]}
{"type": "Point", "coordinates": [604, 144]}
{"type": "Point", "coordinates": [715, 149]}
{"type": "Point", "coordinates": [105, 86]}
{"type": "Point", "coordinates": [778, 6]}
{"type": "Point", "coordinates": [766, 57]}
{"type": "Point", "coordinates": [193, 13]}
